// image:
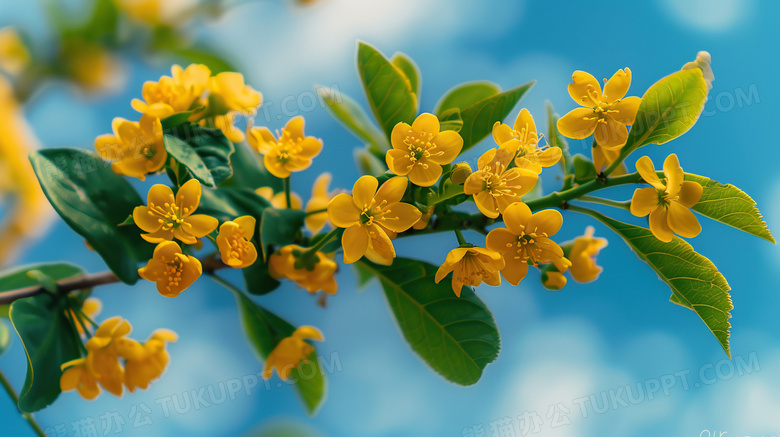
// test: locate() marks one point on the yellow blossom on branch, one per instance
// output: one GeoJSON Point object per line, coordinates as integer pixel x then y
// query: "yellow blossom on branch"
{"type": "Point", "coordinates": [583, 256]}
{"type": "Point", "coordinates": [471, 266]}
{"type": "Point", "coordinates": [668, 202]}
{"type": "Point", "coordinates": [289, 353]}
{"type": "Point", "coordinates": [603, 114]}
{"type": "Point", "coordinates": [523, 140]}
{"type": "Point", "coordinates": [175, 93]}
{"type": "Point", "coordinates": [105, 348]}
{"type": "Point", "coordinates": [421, 149]}
{"type": "Point", "coordinates": [553, 280]}
{"type": "Point", "coordinates": [149, 365]}
{"type": "Point", "coordinates": [172, 270]}
{"type": "Point", "coordinates": [228, 90]}
{"type": "Point", "coordinates": [369, 214]}
{"type": "Point", "coordinates": [135, 148]}
{"type": "Point", "coordinates": [282, 264]}
{"type": "Point", "coordinates": [526, 240]}
{"type": "Point", "coordinates": [166, 217]}
{"type": "Point", "coordinates": [291, 152]}
{"type": "Point", "coordinates": [494, 186]}
{"type": "Point", "coordinates": [320, 198]}
{"type": "Point", "coordinates": [234, 243]}
{"type": "Point", "coordinates": [14, 56]}
{"type": "Point", "coordinates": [77, 377]}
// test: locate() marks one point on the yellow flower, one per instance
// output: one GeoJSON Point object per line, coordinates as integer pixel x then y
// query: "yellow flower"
{"type": "Point", "coordinates": [172, 270]}
{"type": "Point", "coordinates": [523, 140]}
{"type": "Point", "coordinates": [136, 148]}
{"type": "Point", "coordinates": [143, 11]}
{"type": "Point", "coordinates": [166, 216]}
{"type": "Point", "coordinates": [76, 376]}
{"type": "Point", "coordinates": [288, 354]}
{"type": "Point", "coordinates": [553, 280]}
{"type": "Point", "coordinates": [279, 200]}
{"type": "Point", "coordinates": [668, 201]}
{"type": "Point", "coordinates": [90, 308]}
{"type": "Point", "coordinates": [320, 198]}
{"type": "Point", "coordinates": [583, 256]}
{"type": "Point", "coordinates": [234, 242]}
{"type": "Point", "coordinates": [232, 93]}
{"type": "Point", "coordinates": [104, 349]}
{"type": "Point", "coordinates": [282, 265]}
{"type": "Point", "coordinates": [369, 214]}
{"type": "Point", "coordinates": [471, 266]}
{"type": "Point", "coordinates": [150, 364]}
{"type": "Point", "coordinates": [423, 222]}
{"type": "Point", "coordinates": [421, 149]}
{"type": "Point", "coordinates": [14, 57]}
{"type": "Point", "coordinates": [225, 123]}
{"type": "Point", "coordinates": [91, 66]}
{"type": "Point", "coordinates": [604, 115]}
{"type": "Point", "coordinates": [493, 186]}
{"type": "Point", "coordinates": [526, 239]}
{"type": "Point", "coordinates": [291, 152]}
{"type": "Point", "coordinates": [171, 95]}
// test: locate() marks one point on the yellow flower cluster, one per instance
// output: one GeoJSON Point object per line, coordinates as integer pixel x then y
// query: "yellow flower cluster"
{"type": "Point", "coordinates": [286, 263]}
{"type": "Point", "coordinates": [289, 353]}
{"type": "Point", "coordinates": [107, 350]}
{"type": "Point", "coordinates": [291, 152]}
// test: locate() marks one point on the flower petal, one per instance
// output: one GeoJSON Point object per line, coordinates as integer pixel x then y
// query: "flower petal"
{"type": "Point", "coordinates": [425, 174]}
{"type": "Point", "coordinates": [392, 190]}
{"type": "Point", "coordinates": [659, 225]}
{"type": "Point", "coordinates": [275, 167]}
{"type": "Point", "coordinates": [644, 166]}
{"type": "Point", "coordinates": [515, 269]}
{"type": "Point", "coordinates": [355, 242]}
{"type": "Point", "coordinates": [261, 139]}
{"type": "Point", "coordinates": [448, 146]}
{"type": "Point", "coordinates": [145, 219]}
{"type": "Point", "coordinates": [427, 123]}
{"type": "Point", "coordinates": [308, 333]}
{"type": "Point", "coordinates": [502, 133]}
{"type": "Point", "coordinates": [487, 204]}
{"type": "Point", "coordinates": [626, 110]}
{"type": "Point", "coordinates": [617, 86]}
{"type": "Point", "coordinates": [547, 221]}
{"type": "Point", "coordinates": [682, 221]}
{"type": "Point", "coordinates": [159, 195]}
{"type": "Point", "coordinates": [380, 242]}
{"type": "Point", "coordinates": [579, 123]}
{"type": "Point", "coordinates": [309, 147]}
{"type": "Point", "coordinates": [516, 217]}
{"type": "Point", "coordinates": [399, 134]}
{"type": "Point", "coordinates": [611, 134]}
{"type": "Point", "coordinates": [500, 239]}
{"type": "Point", "coordinates": [402, 216]}
{"type": "Point", "coordinates": [690, 193]}
{"type": "Point", "coordinates": [644, 201]}
{"type": "Point", "coordinates": [585, 89]}
{"type": "Point", "coordinates": [188, 197]}
{"type": "Point", "coordinates": [398, 161]}
{"type": "Point", "coordinates": [343, 212]}
{"type": "Point", "coordinates": [364, 190]}
{"type": "Point", "coordinates": [674, 174]}
{"type": "Point", "coordinates": [200, 225]}
{"type": "Point", "coordinates": [453, 257]}
{"type": "Point", "coordinates": [294, 128]}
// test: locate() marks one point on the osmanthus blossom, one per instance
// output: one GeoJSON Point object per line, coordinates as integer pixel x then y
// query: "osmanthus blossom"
{"type": "Point", "coordinates": [148, 365]}
{"type": "Point", "coordinates": [603, 114]}
{"type": "Point", "coordinates": [173, 94]}
{"type": "Point", "coordinates": [583, 256]}
{"type": "Point", "coordinates": [369, 215]}
{"type": "Point", "coordinates": [166, 217]}
{"type": "Point", "coordinates": [523, 139]}
{"type": "Point", "coordinates": [494, 185]}
{"type": "Point", "coordinates": [105, 348]}
{"type": "Point", "coordinates": [289, 151]}
{"type": "Point", "coordinates": [135, 148]}
{"type": "Point", "coordinates": [172, 270]}
{"type": "Point", "coordinates": [283, 264]}
{"type": "Point", "coordinates": [668, 201]}
{"type": "Point", "coordinates": [234, 242]}
{"type": "Point", "coordinates": [525, 239]}
{"type": "Point", "coordinates": [471, 266]}
{"type": "Point", "coordinates": [420, 150]}
{"type": "Point", "coordinates": [289, 352]}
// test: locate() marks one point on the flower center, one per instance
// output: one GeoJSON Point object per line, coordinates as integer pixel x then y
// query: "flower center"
{"type": "Point", "coordinates": [239, 246]}
{"type": "Point", "coordinates": [529, 245]}
{"type": "Point", "coordinates": [420, 147]}
{"type": "Point", "coordinates": [664, 198]}
{"type": "Point", "coordinates": [287, 148]}
{"type": "Point", "coordinates": [174, 269]}
{"type": "Point", "coordinates": [472, 271]}
{"type": "Point", "coordinates": [495, 182]}
{"type": "Point", "coordinates": [373, 211]}
{"type": "Point", "coordinates": [169, 215]}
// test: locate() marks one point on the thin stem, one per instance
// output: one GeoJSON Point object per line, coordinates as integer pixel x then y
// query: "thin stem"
{"type": "Point", "coordinates": [459, 235]}
{"type": "Point", "coordinates": [608, 202]}
{"type": "Point", "coordinates": [223, 282]}
{"type": "Point", "coordinates": [287, 192]}
{"type": "Point", "coordinates": [65, 286]}
{"type": "Point", "coordinates": [318, 211]}
{"type": "Point", "coordinates": [323, 241]}
{"type": "Point", "coordinates": [27, 416]}
{"type": "Point", "coordinates": [72, 321]}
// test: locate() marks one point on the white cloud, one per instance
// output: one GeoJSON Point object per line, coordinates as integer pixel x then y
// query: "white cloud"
{"type": "Point", "coordinates": [709, 15]}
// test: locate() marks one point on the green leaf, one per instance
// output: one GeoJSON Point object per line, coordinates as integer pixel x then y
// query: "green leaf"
{"type": "Point", "coordinates": [730, 205]}
{"type": "Point", "coordinates": [451, 120]}
{"type": "Point", "coordinates": [279, 227]}
{"type": "Point", "coordinates": [367, 163]}
{"type": "Point", "coordinates": [264, 331]}
{"type": "Point", "coordinates": [205, 152]}
{"type": "Point", "coordinates": [464, 95]}
{"type": "Point", "coordinates": [669, 108]}
{"type": "Point", "coordinates": [695, 281]}
{"type": "Point", "coordinates": [457, 337]}
{"type": "Point", "coordinates": [584, 170]}
{"type": "Point", "coordinates": [5, 338]}
{"type": "Point", "coordinates": [555, 139]}
{"type": "Point", "coordinates": [18, 277]}
{"type": "Point", "coordinates": [404, 63]}
{"type": "Point", "coordinates": [227, 203]}
{"type": "Point", "coordinates": [93, 200]}
{"type": "Point", "coordinates": [49, 341]}
{"type": "Point", "coordinates": [478, 118]}
{"type": "Point", "coordinates": [347, 112]}
{"type": "Point", "coordinates": [175, 120]}
{"type": "Point", "coordinates": [249, 171]}
{"type": "Point", "coordinates": [387, 89]}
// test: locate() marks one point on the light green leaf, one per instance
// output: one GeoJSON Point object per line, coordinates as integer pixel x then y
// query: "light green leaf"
{"type": "Point", "coordinates": [49, 341]}
{"type": "Point", "coordinates": [451, 120]}
{"type": "Point", "coordinates": [264, 331]}
{"type": "Point", "coordinates": [279, 227]}
{"type": "Point", "coordinates": [388, 90]}
{"type": "Point", "coordinates": [407, 66]}
{"type": "Point", "coordinates": [347, 112]}
{"type": "Point", "coordinates": [205, 152]}
{"type": "Point", "coordinates": [93, 201]}
{"type": "Point", "coordinates": [730, 205]}
{"type": "Point", "coordinates": [464, 95]}
{"type": "Point", "coordinates": [478, 118]}
{"type": "Point", "coordinates": [5, 338]}
{"type": "Point", "coordinates": [695, 281]}
{"type": "Point", "coordinates": [555, 139]}
{"type": "Point", "coordinates": [367, 163]}
{"type": "Point", "coordinates": [669, 108]}
{"type": "Point", "coordinates": [457, 337]}
{"type": "Point", "coordinates": [584, 170]}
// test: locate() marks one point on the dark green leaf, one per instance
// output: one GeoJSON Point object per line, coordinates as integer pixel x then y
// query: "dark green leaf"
{"type": "Point", "coordinates": [478, 118]}
{"type": "Point", "coordinates": [265, 330]}
{"type": "Point", "coordinates": [410, 70]}
{"type": "Point", "coordinates": [457, 337]}
{"type": "Point", "coordinates": [175, 120]}
{"type": "Point", "coordinates": [49, 341]}
{"type": "Point", "coordinates": [93, 200]}
{"type": "Point", "coordinates": [465, 95]}
{"type": "Point", "coordinates": [387, 89]}
{"type": "Point", "coordinates": [227, 203]}
{"type": "Point", "coordinates": [695, 281]}
{"type": "Point", "coordinates": [205, 152]}
{"type": "Point", "coordinates": [249, 171]}
{"type": "Point", "coordinates": [730, 205]}
{"type": "Point", "coordinates": [279, 227]}
{"type": "Point", "coordinates": [584, 170]}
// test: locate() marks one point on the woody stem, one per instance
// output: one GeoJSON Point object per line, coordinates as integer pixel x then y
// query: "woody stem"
{"type": "Point", "coordinates": [27, 416]}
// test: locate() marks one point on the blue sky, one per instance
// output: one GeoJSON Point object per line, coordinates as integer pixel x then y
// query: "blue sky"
{"type": "Point", "coordinates": [561, 351]}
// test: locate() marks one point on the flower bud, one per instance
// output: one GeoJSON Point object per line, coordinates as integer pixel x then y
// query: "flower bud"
{"type": "Point", "coordinates": [460, 172]}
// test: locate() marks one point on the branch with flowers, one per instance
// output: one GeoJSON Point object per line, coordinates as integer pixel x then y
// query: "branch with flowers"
{"type": "Point", "coordinates": [236, 194]}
